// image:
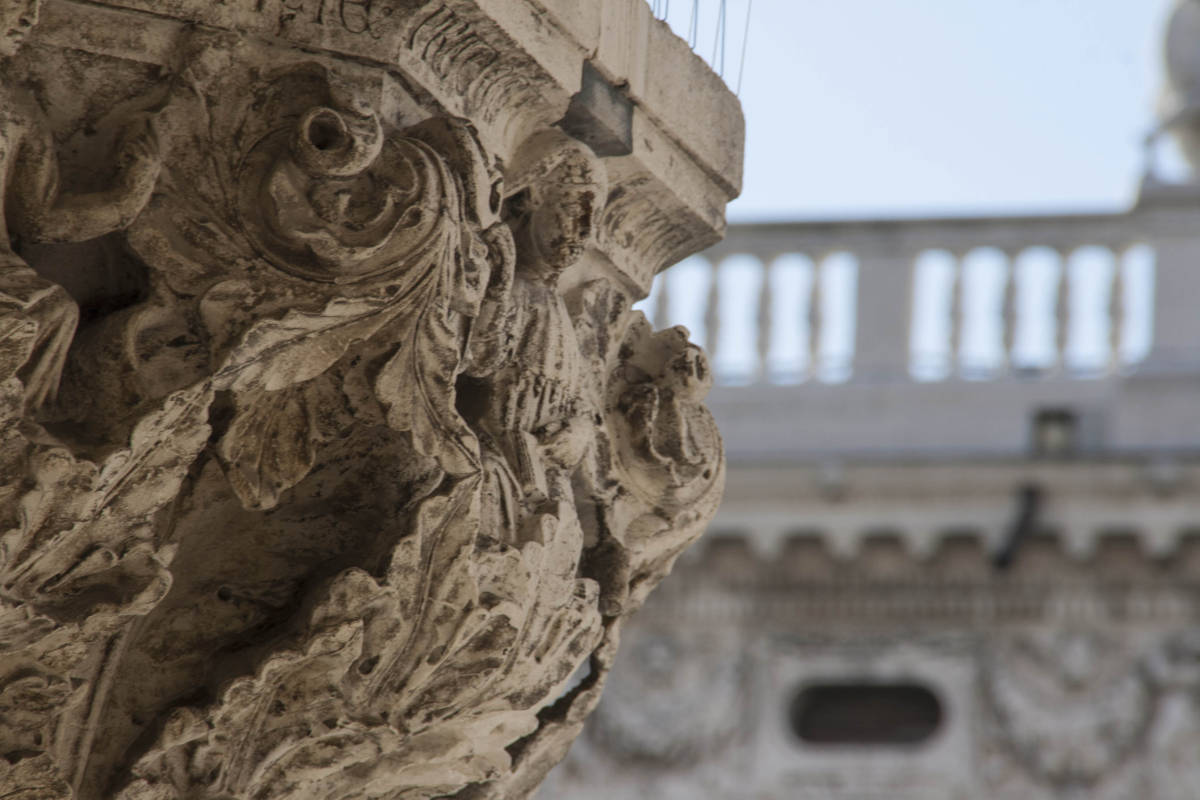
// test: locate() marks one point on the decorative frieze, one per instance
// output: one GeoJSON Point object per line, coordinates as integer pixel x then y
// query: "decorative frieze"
{"type": "Point", "coordinates": [1055, 677]}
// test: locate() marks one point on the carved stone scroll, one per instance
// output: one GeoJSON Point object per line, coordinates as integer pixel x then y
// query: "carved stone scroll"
{"type": "Point", "coordinates": [333, 458]}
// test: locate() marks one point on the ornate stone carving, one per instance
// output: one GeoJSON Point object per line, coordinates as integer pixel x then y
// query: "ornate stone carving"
{"type": "Point", "coordinates": [1065, 676]}
{"type": "Point", "coordinates": [677, 701]}
{"type": "Point", "coordinates": [373, 461]}
{"type": "Point", "coordinates": [1068, 705]}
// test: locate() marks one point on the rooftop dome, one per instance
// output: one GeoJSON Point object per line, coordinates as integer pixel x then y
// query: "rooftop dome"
{"type": "Point", "coordinates": [1181, 107]}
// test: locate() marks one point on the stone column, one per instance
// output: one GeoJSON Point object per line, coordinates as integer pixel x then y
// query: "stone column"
{"type": "Point", "coordinates": [1176, 323]}
{"type": "Point", "coordinates": [332, 455]}
{"type": "Point", "coordinates": [883, 303]}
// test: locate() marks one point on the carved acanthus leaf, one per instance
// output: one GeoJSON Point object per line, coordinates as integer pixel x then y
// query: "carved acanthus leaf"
{"type": "Point", "coordinates": [274, 354]}
{"type": "Point", "coordinates": [83, 559]}
{"type": "Point", "coordinates": [359, 476]}
{"type": "Point", "coordinates": [416, 386]}
{"type": "Point", "coordinates": [82, 519]}
{"type": "Point", "coordinates": [408, 687]}
{"type": "Point", "coordinates": [270, 444]}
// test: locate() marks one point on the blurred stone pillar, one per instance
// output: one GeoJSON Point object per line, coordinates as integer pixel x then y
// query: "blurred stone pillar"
{"type": "Point", "coordinates": [884, 307]}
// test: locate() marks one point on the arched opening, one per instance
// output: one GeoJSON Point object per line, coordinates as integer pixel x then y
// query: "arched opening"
{"type": "Point", "coordinates": [981, 347]}
{"type": "Point", "coordinates": [930, 332]}
{"type": "Point", "coordinates": [1090, 272]}
{"type": "Point", "coordinates": [1037, 272]}
{"type": "Point", "coordinates": [1137, 333]}
{"type": "Point", "coordinates": [739, 289]}
{"type": "Point", "coordinates": [687, 286]}
{"type": "Point", "coordinates": [838, 286]}
{"type": "Point", "coordinates": [790, 281]}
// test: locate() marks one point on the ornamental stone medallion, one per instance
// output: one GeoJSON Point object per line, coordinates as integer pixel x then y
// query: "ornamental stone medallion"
{"type": "Point", "coordinates": [332, 455]}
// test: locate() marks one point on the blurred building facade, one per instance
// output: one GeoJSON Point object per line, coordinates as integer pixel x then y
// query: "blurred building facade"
{"type": "Point", "coordinates": [959, 554]}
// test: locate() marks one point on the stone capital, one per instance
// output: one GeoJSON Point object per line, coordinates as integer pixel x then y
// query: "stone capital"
{"type": "Point", "coordinates": [332, 453]}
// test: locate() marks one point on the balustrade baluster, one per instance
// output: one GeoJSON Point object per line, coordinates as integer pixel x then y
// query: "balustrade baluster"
{"type": "Point", "coordinates": [815, 322]}
{"type": "Point", "coordinates": [764, 324]}
{"type": "Point", "coordinates": [957, 284]}
{"type": "Point", "coordinates": [1062, 312]}
{"type": "Point", "coordinates": [1116, 315]}
{"type": "Point", "coordinates": [1008, 311]}
{"type": "Point", "coordinates": [1140, 314]}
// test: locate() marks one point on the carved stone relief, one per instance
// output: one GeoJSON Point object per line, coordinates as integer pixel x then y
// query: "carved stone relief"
{"type": "Point", "coordinates": [1046, 686]}
{"type": "Point", "coordinates": [372, 461]}
{"type": "Point", "coordinates": [680, 700]}
{"type": "Point", "coordinates": [1066, 704]}
{"type": "Point", "coordinates": [1025, 717]}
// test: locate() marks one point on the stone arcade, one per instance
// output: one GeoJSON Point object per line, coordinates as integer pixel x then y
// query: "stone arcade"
{"type": "Point", "coordinates": [332, 455]}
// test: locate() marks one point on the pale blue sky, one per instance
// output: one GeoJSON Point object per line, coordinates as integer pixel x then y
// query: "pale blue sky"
{"type": "Point", "coordinates": [904, 107]}
{"type": "Point", "coordinates": [886, 108]}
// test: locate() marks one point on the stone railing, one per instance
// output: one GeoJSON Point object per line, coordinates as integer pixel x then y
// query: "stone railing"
{"type": "Point", "coordinates": [929, 299]}
{"type": "Point", "coordinates": [897, 337]}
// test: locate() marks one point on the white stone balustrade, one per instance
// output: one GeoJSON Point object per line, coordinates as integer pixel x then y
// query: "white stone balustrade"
{"type": "Point", "coordinates": [930, 299]}
{"type": "Point", "coordinates": [936, 337]}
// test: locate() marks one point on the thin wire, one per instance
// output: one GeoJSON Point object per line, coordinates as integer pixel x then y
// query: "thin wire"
{"type": "Point", "coordinates": [719, 42]}
{"type": "Point", "coordinates": [745, 40]}
{"type": "Point", "coordinates": [693, 26]}
{"type": "Point", "coordinates": [724, 33]}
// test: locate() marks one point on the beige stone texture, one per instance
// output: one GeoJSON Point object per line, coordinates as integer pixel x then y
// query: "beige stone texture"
{"type": "Point", "coordinates": [333, 457]}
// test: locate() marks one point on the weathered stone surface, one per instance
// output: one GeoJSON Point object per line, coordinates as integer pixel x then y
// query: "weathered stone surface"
{"type": "Point", "coordinates": [1063, 675]}
{"type": "Point", "coordinates": [359, 453]}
